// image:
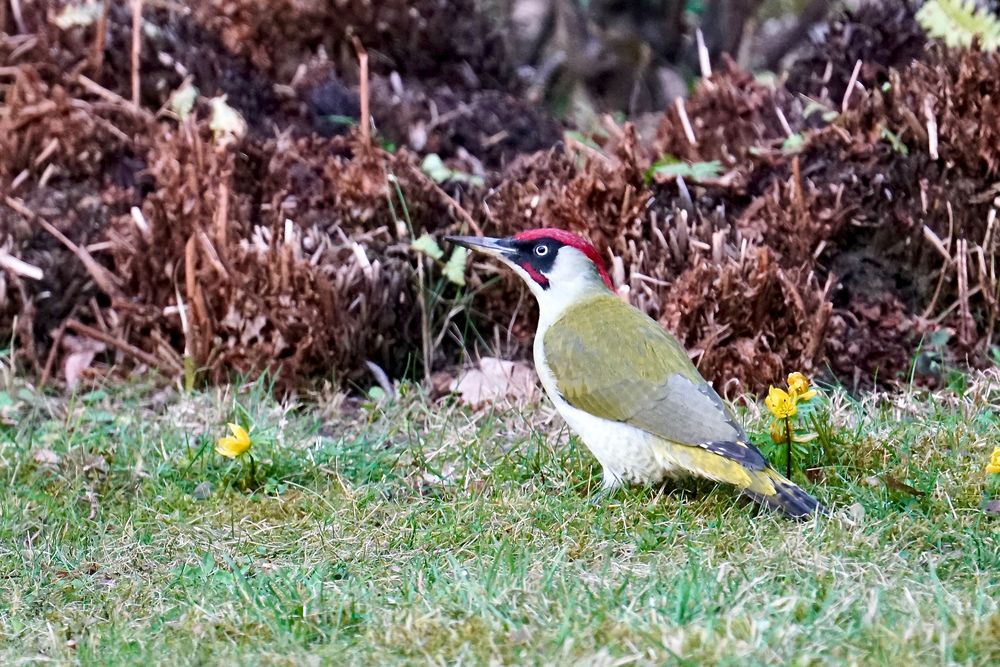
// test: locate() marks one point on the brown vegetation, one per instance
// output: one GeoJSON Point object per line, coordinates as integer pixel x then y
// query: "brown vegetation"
{"type": "Point", "coordinates": [837, 230]}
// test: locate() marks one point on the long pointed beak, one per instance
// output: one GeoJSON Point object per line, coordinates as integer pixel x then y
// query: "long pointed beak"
{"type": "Point", "coordinates": [484, 244]}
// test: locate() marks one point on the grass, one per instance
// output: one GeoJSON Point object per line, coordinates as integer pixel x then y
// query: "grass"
{"type": "Point", "coordinates": [422, 532]}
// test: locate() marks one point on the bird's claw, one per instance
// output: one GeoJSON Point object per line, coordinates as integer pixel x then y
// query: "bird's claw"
{"type": "Point", "coordinates": [604, 493]}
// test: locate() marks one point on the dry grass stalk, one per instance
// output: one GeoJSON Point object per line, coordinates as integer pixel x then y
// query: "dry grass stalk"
{"type": "Point", "coordinates": [704, 62]}
{"type": "Point", "coordinates": [136, 48]}
{"type": "Point", "coordinates": [100, 39]}
{"type": "Point", "coordinates": [850, 87]}
{"type": "Point", "coordinates": [685, 122]}
{"type": "Point", "coordinates": [15, 10]}
{"type": "Point", "coordinates": [57, 337]}
{"type": "Point", "coordinates": [967, 326]}
{"type": "Point", "coordinates": [19, 267]}
{"type": "Point", "coordinates": [932, 128]}
{"type": "Point", "coordinates": [366, 118]}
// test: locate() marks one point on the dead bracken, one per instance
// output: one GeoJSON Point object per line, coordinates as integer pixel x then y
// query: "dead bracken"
{"type": "Point", "coordinates": [827, 222]}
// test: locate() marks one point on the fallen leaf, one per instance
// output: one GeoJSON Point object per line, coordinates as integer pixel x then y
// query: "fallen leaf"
{"type": "Point", "coordinates": [893, 484]}
{"type": "Point", "coordinates": [495, 379]}
{"type": "Point", "coordinates": [816, 474]}
{"type": "Point", "coordinates": [95, 463]}
{"type": "Point", "coordinates": [45, 458]}
{"type": "Point", "coordinates": [993, 507]}
{"type": "Point", "coordinates": [81, 354]}
{"type": "Point", "coordinates": [899, 485]}
{"type": "Point", "coordinates": [441, 384]}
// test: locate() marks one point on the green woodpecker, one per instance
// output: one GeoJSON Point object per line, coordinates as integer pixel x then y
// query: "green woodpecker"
{"type": "Point", "coordinates": [623, 384]}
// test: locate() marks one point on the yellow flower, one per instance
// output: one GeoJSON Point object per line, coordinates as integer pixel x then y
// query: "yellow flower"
{"type": "Point", "coordinates": [993, 468]}
{"type": "Point", "coordinates": [234, 445]}
{"type": "Point", "coordinates": [780, 403]}
{"type": "Point", "coordinates": [778, 431]}
{"type": "Point", "coordinates": [798, 387]}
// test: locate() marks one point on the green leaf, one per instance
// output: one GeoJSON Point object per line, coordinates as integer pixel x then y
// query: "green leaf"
{"type": "Point", "coordinates": [793, 144]}
{"type": "Point", "coordinates": [670, 166]}
{"type": "Point", "coordinates": [435, 167]}
{"type": "Point", "coordinates": [939, 339]}
{"type": "Point", "coordinates": [182, 100]}
{"type": "Point", "coordinates": [582, 139]}
{"type": "Point", "coordinates": [226, 122]}
{"type": "Point", "coordinates": [815, 107]}
{"type": "Point", "coordinates": [340, 119]}
{"type": "Point", "coordinates": [428, 246]}
{"type": "Point", "coordinates": [454, 270]}
{"type": "Point", "coordinates": [73, 15]}
{"type": "Point", "coordinates": [958, 22]}
{"type": "Point", "coordinates": [894, 140]}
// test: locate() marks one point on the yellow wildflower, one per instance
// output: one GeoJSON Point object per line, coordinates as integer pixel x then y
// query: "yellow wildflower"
{"type": "Point", "coordinates": [798, 387]}
{"type": "Point", "coordinates": [234, 445]}
{"type": "Point", "coordinates": [993, 468]}
{"type": "Point", "coordinates": [780, 403]}
{"type": "Point", "coordinates": [778, 431]}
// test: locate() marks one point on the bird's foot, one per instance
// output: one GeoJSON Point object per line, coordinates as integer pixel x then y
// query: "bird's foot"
{"type": "Point", "coordinates": [606, 492]}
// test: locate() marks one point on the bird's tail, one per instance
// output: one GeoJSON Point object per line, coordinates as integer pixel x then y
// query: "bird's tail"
{"type": "Point", "coordinates": [787, 496]}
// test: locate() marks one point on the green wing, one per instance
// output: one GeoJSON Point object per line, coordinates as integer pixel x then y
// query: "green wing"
{"type": "Point", "coordinates": [611, 360]}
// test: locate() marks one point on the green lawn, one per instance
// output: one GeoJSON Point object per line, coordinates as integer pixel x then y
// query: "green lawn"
{"type": "Point", "coordinates": [418, 532]}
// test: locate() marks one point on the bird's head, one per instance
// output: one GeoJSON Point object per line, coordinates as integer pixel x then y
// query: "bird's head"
{"type": "Point", "coordinates": [553, 262]}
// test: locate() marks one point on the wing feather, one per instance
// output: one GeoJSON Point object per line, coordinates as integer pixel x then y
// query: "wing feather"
{"type": "Point", "coordinates": [611, 360]}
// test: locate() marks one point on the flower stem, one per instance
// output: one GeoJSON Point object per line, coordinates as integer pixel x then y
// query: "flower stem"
{"type": "Point", "coordinates": [788, 447]}
{"type": "Point", "coordinates": [253, 471]}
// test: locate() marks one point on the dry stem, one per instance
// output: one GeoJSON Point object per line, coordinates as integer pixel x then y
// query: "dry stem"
{"type": "Point", "coordinates": [366, 121]}
{"type": "Point", "coordinates": [117, 343]}
{"type": "Point", "coordinates": [685, 122]}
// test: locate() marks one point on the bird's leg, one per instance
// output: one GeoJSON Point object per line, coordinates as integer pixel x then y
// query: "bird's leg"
{"type": "Point", "coordinates": [609, 485]}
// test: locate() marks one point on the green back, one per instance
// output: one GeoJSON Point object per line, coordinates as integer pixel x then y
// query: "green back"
{"type": "Point", "coordinates": [613, 361]}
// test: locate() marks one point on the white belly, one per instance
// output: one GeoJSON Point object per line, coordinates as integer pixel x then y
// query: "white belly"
{"type": "Point", "coordinates": [628, 455]}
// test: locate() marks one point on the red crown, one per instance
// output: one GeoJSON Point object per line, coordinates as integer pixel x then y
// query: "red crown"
{"type": "Point", "coordinates": [572, 240]}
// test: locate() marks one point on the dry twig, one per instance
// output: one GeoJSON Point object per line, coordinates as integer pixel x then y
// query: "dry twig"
{"type": "Point", "coordinates": [117, 343]}
{"type": "Point", "coordinates": [105, 280]}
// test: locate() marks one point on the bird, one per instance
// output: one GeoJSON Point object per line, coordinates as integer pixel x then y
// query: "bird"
{"type": "Point", "coordinates": [623, 384]}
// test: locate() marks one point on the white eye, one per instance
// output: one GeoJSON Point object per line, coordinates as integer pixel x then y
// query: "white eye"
{"type": "Point", "coordinates": [541, 250]}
